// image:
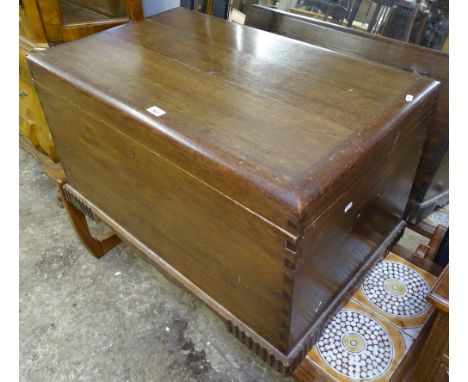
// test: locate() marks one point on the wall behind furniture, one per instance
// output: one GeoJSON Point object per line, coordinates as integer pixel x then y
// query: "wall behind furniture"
{"type": "Point", "coordinates": [151, 7]}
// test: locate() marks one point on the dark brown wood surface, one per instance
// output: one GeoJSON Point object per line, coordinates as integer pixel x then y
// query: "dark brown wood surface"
{"type": "Point", "coordinates": [414, 58]}
{"type": "Point", "coordinates": [307, 372]}
{"type": "Point", "coordinates": [249, 337]}
{"type": "Point", "coordinates": [317, 123]}
{"type": "Point", "coordinates": [237, 259]}
{"type": "Point", "coordinates": [245, 184]}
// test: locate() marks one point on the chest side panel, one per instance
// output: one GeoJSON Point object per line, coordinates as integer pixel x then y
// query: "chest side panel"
{"type": "Point", "coordinates": [431, 168]}
{"type": "Point", "coordinates": [227, 251]}
{"type": "Point", "coordinates": [362, 212]}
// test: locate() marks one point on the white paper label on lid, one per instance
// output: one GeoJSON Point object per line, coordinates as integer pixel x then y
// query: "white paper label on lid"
{"type": "Point", "coordinates": [156, 111]}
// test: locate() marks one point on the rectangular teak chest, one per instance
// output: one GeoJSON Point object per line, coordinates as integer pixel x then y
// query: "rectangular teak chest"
{"type": "Point", "coordinates": [263, 174]}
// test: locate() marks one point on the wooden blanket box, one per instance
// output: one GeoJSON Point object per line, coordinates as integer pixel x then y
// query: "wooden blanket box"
{"type": "Point", "coordinates": [265, 189]}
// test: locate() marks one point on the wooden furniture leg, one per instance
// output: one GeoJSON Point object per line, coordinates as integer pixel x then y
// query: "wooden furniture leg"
{"type": "Point", "coordinates": [374, 17]}
{"type": "Point", "coordinates": [434, 233]}
{"type": "Point", "coordinates": [97, 247]}
{"type": "Point", "coordinates": [423, 228]}
{"type": "Point", "coordinates": [410, 23]}
{"type": "Point", "coordinates": [355, 8]}
{"type": "Point", "coordinates": [424, 255]}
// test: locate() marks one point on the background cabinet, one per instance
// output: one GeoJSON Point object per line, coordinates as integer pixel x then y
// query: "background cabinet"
{"type": "Point", "coordinates": [46, 22]}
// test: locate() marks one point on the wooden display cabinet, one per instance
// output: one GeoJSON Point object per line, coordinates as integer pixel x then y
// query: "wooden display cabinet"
{"type": "Point", "coordinates": [46, 22]}
{"type": "Point", "coordinates": [66, 20]}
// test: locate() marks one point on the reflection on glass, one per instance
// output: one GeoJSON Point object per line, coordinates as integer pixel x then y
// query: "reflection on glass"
{"type": "Point", "coordinates": [82, 11]}
{"type": "Point", "coordinates": [423, 22]}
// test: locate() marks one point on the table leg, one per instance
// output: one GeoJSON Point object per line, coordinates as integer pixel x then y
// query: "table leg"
{"type": "Point", "coordinates": [354, 10]}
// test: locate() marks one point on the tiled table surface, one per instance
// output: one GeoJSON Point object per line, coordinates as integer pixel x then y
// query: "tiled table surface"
{"type": "Point", "coordinates": [440, 216]}
{"type": "Point", "coordinates": [370, 335]}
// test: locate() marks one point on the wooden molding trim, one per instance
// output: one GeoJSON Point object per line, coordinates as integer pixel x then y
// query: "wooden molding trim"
{"type": "Point", "coordinates": [439, 294]}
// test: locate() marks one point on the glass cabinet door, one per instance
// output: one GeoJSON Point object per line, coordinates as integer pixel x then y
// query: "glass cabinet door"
{"type": "Point", "coordinates": [81, 11]}
{"type": "Point", "coordinates": [66, 20]}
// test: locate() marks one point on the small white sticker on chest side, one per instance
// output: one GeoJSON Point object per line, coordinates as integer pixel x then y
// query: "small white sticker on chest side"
{"type": "Point", "coordinates": [156, 111]}
{"type": "Point", "coordinates": [348, 207]}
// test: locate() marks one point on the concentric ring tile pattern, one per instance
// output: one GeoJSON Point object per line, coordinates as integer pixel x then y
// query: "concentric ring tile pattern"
{"type": "Point", "coordinates": [358, 345]}
{"type": "Point", "coordinates": [368, 338]}
{"type": "Point", "coordinates": [396, 290]}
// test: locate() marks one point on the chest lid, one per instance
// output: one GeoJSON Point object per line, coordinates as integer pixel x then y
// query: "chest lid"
{"type": "Point", "coordinates": [268, 121]}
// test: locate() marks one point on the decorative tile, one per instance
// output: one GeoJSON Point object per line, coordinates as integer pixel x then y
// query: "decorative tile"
{"type": "Point", "coordinates": [396, 290]}
{"type": "Point", "coordinates": [440, 216]}
{"type": "Point", "coordinates": [358, 345]}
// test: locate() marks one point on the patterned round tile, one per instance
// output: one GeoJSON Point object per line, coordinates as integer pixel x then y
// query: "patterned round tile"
{"type": "Point", "coordinates": [439, 217]}
{"type": "Point", "coordinates": [356, 346]}
{"type": "Point", "coordinates": [396, 289]}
